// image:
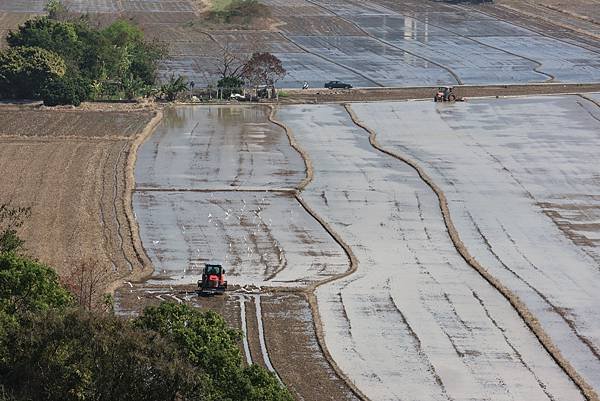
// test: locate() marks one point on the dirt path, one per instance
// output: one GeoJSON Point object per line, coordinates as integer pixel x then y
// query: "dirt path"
{"type": "Point", "coordinates": [314, 96]}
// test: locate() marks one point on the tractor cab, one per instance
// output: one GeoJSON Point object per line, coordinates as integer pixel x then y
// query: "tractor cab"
{"type": "Point", "coordinates": [213, 280]}
{"type": "Point", "coordinates": [444, 94]}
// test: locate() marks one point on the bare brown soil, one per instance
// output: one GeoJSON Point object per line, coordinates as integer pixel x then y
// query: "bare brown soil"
{"type": "Point", "coordinates": [9, 21]}
{"type": "Point", "coordinates": [292, 343]}
{"type": "Point", "coordinates": [70, 168]}
{"type": "Point", "coordinates": [73, 124]}
{"type": "Point", "coordinates": [378, 94]}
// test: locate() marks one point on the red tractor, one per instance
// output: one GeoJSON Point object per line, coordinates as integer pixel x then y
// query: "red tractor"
{"type": "Point", "coordinates": [445, 94]}
{"type": "Point", "coordinates": [213, 280]}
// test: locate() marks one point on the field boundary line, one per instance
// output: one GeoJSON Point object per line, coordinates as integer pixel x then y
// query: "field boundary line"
{"type": "Point", "coordinates": [589, 99]}
{"type": "Point", "coordinates": [146, 267]}
{"type": "Point", "coordinates": [523, 311]}
{"type": "Point", "coordinates": [290, 191]}
{"type": "Point", "coordinates": [309, 292]}
{"type": "Point", "coordinates": [310, 173]}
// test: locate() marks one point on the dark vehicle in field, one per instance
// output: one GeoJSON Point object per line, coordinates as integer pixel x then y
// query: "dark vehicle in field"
{"type": "Point", "coordinates": [213, 280]}
{"type": "Point", "coordinates": [337, 85]}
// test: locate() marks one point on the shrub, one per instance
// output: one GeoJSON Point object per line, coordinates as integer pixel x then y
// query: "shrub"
{"type": "Point", "coordinates": [241, 12]}
{"type": "Point", "coordinates": [74, 355]}
{"type": "Point", "coordinates": [65, 90]}
{"type": "Point", "coordinates": [212, 346]}
{"type": "Point", "coordinates": [171, 89]}
{"type": "Point", "coordinates": [25, 70]}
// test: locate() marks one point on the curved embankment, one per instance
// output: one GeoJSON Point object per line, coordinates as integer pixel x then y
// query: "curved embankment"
{"type": "Point", "coordinates": [529, 319]}
{"type": "Point", "coordinates": [353, 262]}
{"type": "Point", "coordinates": [145, 265]}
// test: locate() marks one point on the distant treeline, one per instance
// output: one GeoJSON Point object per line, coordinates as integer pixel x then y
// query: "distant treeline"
{"type": "Point", "coordinates": [64, 59]}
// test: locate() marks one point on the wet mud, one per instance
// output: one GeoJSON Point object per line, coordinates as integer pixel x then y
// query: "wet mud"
{"type": "Point", "coordinates": [435, 319]}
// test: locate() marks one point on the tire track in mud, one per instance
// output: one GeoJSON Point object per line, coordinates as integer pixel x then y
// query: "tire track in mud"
{"type": "Point", "coordinates": [105, 235]}
{"type": "Point", "coordinates": [512, 347]}
{"type": "Point", "coordinates": [242, 301]}
{"type": "Point", "coordinates": [261, 337]}
{"type": "Point", "coordinates": [353, 261]}
{"type": "Point", "coordinates": [553, 307]}
{"type": "Point", "coordinates": [528, 318]}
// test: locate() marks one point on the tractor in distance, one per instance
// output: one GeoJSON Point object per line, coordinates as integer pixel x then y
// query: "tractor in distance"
{"type": "Point", "coordinates": [213, 280]}
{"type": "Point", "coordinates": [444, 94]}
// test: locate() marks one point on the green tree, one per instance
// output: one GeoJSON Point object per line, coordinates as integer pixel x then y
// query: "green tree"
{"type": "Point", "coordinates": [74, 356]}
{"type": "Point", "coordinates": [11, 218]}
{"type": "Point", "coordinates": [115, 57]}
{"type": "Point", "coordinates": [65, 90]}
{"type": "Point", "coordinates": [212, 346]}
{"type": "Point", "coordinates": [29, 286]}
{"type": "Point", "coordinates": [25, 70]}
{"type": "Point", "coordinates": [172, 88]}
{"type": "Point", "coordinates": [60, 37]}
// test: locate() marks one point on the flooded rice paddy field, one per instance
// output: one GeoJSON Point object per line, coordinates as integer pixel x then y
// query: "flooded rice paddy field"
{"type": "Point", "coordinates": [218, 183]}
{"type": "Point", "coordinates": [367, 43]}
{"type": "Point", "coordinates": [262, 238]}
{"type": "Point", "coordinates": [218, 147]}
{"type": "Point", "coordinates": [414, 320]}
{"type": "Point", "coordinates": [521, 178]}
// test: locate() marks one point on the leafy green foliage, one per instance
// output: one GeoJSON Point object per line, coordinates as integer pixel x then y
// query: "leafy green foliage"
{"type": "Point", "coordinates": [230, 85]}
{"type": "Point", "coordinates": [52, 350]}
{"type": "Point", "coordinates": [59, 37]}
{"type": "Point", "coordinates": [115, 61]}
{"type": "Point", "coordinates": [11, 218]}
{"type": "Point", "coordinates": [56, 10]}
{"type": "Point", "coordinates": [65, 90]}
{"type": "Point", "coordinates": [212, 346]}
{"type": "Point", "coordinates": [230, 82]}
{"type": "Point", "coordinates": [28, 286]}
{"type": "Point", "coordinates": [171, 89]}
{"type": "Point", "coordinates": [24, 70]}
{"type": "Point", "coordinates": [79, 356]}
{"type": "Point", "coordinates": [240, 12]}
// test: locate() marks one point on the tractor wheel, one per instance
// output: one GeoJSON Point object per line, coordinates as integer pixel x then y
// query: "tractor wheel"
{"type": "Point", "coordinates": [451, 98]}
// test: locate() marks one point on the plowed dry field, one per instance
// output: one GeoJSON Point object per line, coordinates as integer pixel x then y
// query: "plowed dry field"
{"type": "Point", "coordinates": [70, 168]}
